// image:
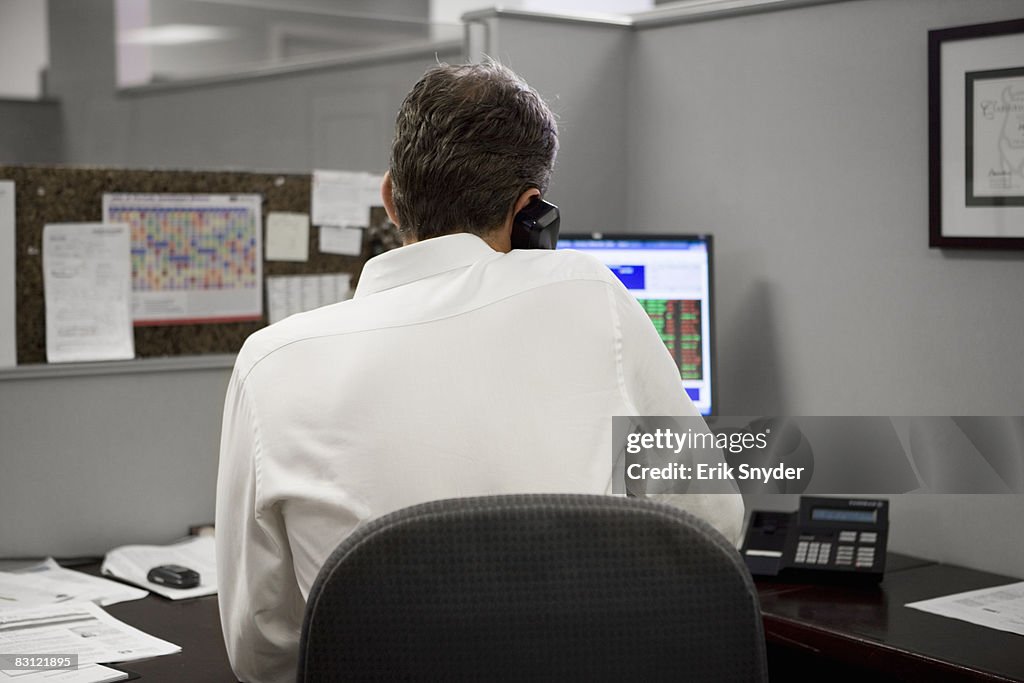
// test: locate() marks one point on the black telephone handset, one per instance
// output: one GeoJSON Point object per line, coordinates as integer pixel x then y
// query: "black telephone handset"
{"type": "Point", "coordinates": [827, 540]}
{"type": "Point", "coordinates": [536, 226]}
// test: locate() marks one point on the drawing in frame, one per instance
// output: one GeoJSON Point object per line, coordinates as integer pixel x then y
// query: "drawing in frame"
{"type": "Point", "coordinates": [976, 136]}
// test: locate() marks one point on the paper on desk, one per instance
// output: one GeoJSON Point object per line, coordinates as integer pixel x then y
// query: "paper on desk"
{"type": "Point", "coordinates": [85, 673]}
{"type": "Point", "coordinates": [48, 582]}
{"type": "Point", "coordinates": [87, 282]}
{"type": "Point", "coordinates": [77, 628]}
{"type": "Point", "coordinates": [132, 563]}
{"type": "Point", "coordinates": [291, 294]}
{"type": "Point", "coordinates": [344, 198]}
{"type": "Point", "coordinates": [999, 607]}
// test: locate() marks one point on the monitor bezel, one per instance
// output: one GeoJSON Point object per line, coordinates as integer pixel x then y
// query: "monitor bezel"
{"type": "Point", "coordinates": [708, 240]}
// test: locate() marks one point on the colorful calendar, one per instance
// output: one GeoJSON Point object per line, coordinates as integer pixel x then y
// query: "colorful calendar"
{"type": "Point", "coordinates": [195, 258]}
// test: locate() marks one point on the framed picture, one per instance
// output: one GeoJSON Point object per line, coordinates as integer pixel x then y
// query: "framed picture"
{"type": "Point", "coordinates": [976, 136]}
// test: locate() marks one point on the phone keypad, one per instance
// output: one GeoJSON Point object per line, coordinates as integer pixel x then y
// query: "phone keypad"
{"type": "Point", "coordinates": [854, 549]}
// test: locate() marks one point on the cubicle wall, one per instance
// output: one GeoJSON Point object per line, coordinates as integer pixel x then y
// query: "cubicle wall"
{"type": "Point", "coordinates": [95, 457]}
{"type": "Point", "coordinates": [31, 132]}
{"type": "Point", "coordinates": [800, 139]}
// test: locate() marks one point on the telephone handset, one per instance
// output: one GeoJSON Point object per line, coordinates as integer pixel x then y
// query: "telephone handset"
{"type": "Point", "coordinates": [536, 226]}
{"type": "Point", "coordinates": [826, 540]}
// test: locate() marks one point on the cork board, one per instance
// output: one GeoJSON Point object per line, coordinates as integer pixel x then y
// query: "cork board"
{"type": "Point", "coordinates": [55, 194]}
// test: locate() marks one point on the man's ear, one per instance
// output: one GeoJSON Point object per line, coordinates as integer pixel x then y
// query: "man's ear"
{"type": "Point", "coordinates": [524, 199]}
{"type": "Point", "coordinates": [386, 193]}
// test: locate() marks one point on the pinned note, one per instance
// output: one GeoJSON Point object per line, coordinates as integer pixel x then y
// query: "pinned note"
{"type": "Point", "coordinates": [287, 236]}
{"type": "Point", "coordinates": [87, 281]}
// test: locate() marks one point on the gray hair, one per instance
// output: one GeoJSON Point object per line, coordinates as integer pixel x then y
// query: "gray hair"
{"type": "Point", "coordinates": [469, 140]}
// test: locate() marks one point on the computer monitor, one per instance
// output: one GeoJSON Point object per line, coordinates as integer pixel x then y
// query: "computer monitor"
{"type": "Point", "coordinates": [671, 277]}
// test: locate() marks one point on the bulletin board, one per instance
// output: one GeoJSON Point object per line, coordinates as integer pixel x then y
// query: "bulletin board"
{"type": "Point", "coordinates": [58, 194]}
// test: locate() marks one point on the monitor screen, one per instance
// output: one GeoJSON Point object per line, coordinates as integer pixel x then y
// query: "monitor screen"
{"type": "Point", "coordinates": [670, 275]}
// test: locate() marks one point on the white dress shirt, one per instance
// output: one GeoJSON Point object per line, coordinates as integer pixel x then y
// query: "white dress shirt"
{"type": "Point", "coordinates": [455, 371]}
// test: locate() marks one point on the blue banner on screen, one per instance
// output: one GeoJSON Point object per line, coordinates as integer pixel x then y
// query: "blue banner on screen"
{"type": "Point", "coordinates": [671, 278]}
{"type": "Point", "coordinates": [631, 276]}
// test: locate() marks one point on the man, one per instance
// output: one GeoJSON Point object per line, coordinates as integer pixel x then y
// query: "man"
{"type": "Point", "coordinates": [459, 368]}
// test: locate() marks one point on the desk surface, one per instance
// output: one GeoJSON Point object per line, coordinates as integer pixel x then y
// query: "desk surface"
{"type": "Point", "coordinates": [857, 630]}
{"type": "Point", "coordinates": [868, 629]}
{"type": "Point", "coordinates": [193, 624]}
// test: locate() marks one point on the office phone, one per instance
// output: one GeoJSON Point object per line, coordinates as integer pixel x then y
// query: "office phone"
{"type": "Point", "coordinates": [834, 540]}
{"type": "Point", "coordinates": [536, 226]}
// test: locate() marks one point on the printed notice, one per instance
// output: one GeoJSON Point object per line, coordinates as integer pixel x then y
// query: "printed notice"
{"type": "Point", "coordinates": [8, 343]}
{"type": "Point", "coordinates": [291, 294]}
{"type": "Point", "coordinates": [335, 239]}
{"type": "Point", "coordinates": [287, 236]}
{"type": "Point", "coordinates": [87, 285]}
{"type": "Point", "coordinates": [344, 198]}
{"type": "Point", "coordinates": [194, 258]}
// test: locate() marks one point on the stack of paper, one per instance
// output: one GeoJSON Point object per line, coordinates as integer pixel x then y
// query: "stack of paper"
{"type": "Point", "coordinates": [77, 628]}
{"type": "Point", "coordinates": [132, 563]}
{"type": "Point", "coordinates": [49, 583]}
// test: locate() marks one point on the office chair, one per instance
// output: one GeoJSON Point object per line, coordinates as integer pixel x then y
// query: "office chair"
{"type": "Point", "coordinates": [527, 587]}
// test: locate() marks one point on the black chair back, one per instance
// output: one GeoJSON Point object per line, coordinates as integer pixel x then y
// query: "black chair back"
{"type": "Point", "coordinates": [523, 587]}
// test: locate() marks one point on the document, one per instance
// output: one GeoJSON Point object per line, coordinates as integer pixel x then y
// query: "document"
{"type": "Point", "coordinates": [194, 257]}
{"type": "Point", "coordinates": [287, 236]}
{"type": "Point", "coordinates": [344, 198]}
{"type": "Point", "coordinates": [48, 583]}
{"type": "Point", "coordinates": [1000, 607]}
{"type": "Point", "coordinates": [291, 294]}
{"type": "Point", "coordinates": [86, 673]}
{"type": "Point", "coordinates": [341, 240]}
{"type": "Point", "coordinates": [87, 287]}
{"type": "Point", "coordinates": [76, 628]}
{"type": "Point", "coordinates": [8, 323]}
{"type": "Point", "coordinates": [132, 563]}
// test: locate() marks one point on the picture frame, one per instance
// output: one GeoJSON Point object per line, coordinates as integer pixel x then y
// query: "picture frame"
{"type": "Point", "coordinates": [976, 136]}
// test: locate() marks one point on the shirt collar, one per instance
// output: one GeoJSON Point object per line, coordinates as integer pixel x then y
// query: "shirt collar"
{"type": "Point", "coordinates": [421, 260]}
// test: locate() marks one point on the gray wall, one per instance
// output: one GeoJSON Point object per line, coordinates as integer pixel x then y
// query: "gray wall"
{"type": "Point", "coordinates": [30, 132]}
{"type": "Point", "coordinates": [97, 461]}
{"type": "Point", "coordinates": [334, 117]}
{"type": "Point", "coordinates": [800, 139]}
{"type": "Point", "coordinates": [581, 70]}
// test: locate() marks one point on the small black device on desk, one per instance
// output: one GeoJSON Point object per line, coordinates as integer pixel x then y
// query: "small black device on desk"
{"type": "Point", "coordinates": [835, 540]}
{"type": "Point", "coordinates": [174, 576]}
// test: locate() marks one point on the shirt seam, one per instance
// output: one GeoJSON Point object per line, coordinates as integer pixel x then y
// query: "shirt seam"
{"type": "Point", "coordinates": [620, 366]}
{"type": "Point", "coordinates": [426, 322]}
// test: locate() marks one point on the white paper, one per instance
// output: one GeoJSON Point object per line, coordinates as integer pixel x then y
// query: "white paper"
{"type": "Point", "coordinates": [8, 323]}
{"type": "Point", "coordinates": [287, 236]}
{"type": "Point", "coordinates": [194, 257]}
{"type": "Point", "coordinates": [341, 240]}
{"type": "Point", "coordinates": [85, 673]}
{"type": "Point", "coordinates": [87, 286]}
{"type": "Point", "coordinates": [1000, 607]}
{"type": "Point", "coordinates": [291, 294]}
{"type": "Point", "coordinates": [344, 198]}
{"type": "Point", "coordinates": [77, 628]}
{"type": "Point", "coordinates": [132, 563]}
{"type": "Point", "coordinates": [48, 582]}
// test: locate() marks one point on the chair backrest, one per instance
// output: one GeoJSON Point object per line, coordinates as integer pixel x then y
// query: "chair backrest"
{"type": "Point", "coordinates": [534, 586]}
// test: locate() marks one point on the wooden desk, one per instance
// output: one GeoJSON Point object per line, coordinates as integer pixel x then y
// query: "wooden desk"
{"type": "Point", "coordinates": [832, 633]}
{"type": "Point", "coordinates": [842, 633]}
{"type": "Point", "coordinates": [193, 624]}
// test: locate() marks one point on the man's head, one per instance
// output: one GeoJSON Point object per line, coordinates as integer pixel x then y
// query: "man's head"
{"type": "Point", "coordinates": [473, 143]}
